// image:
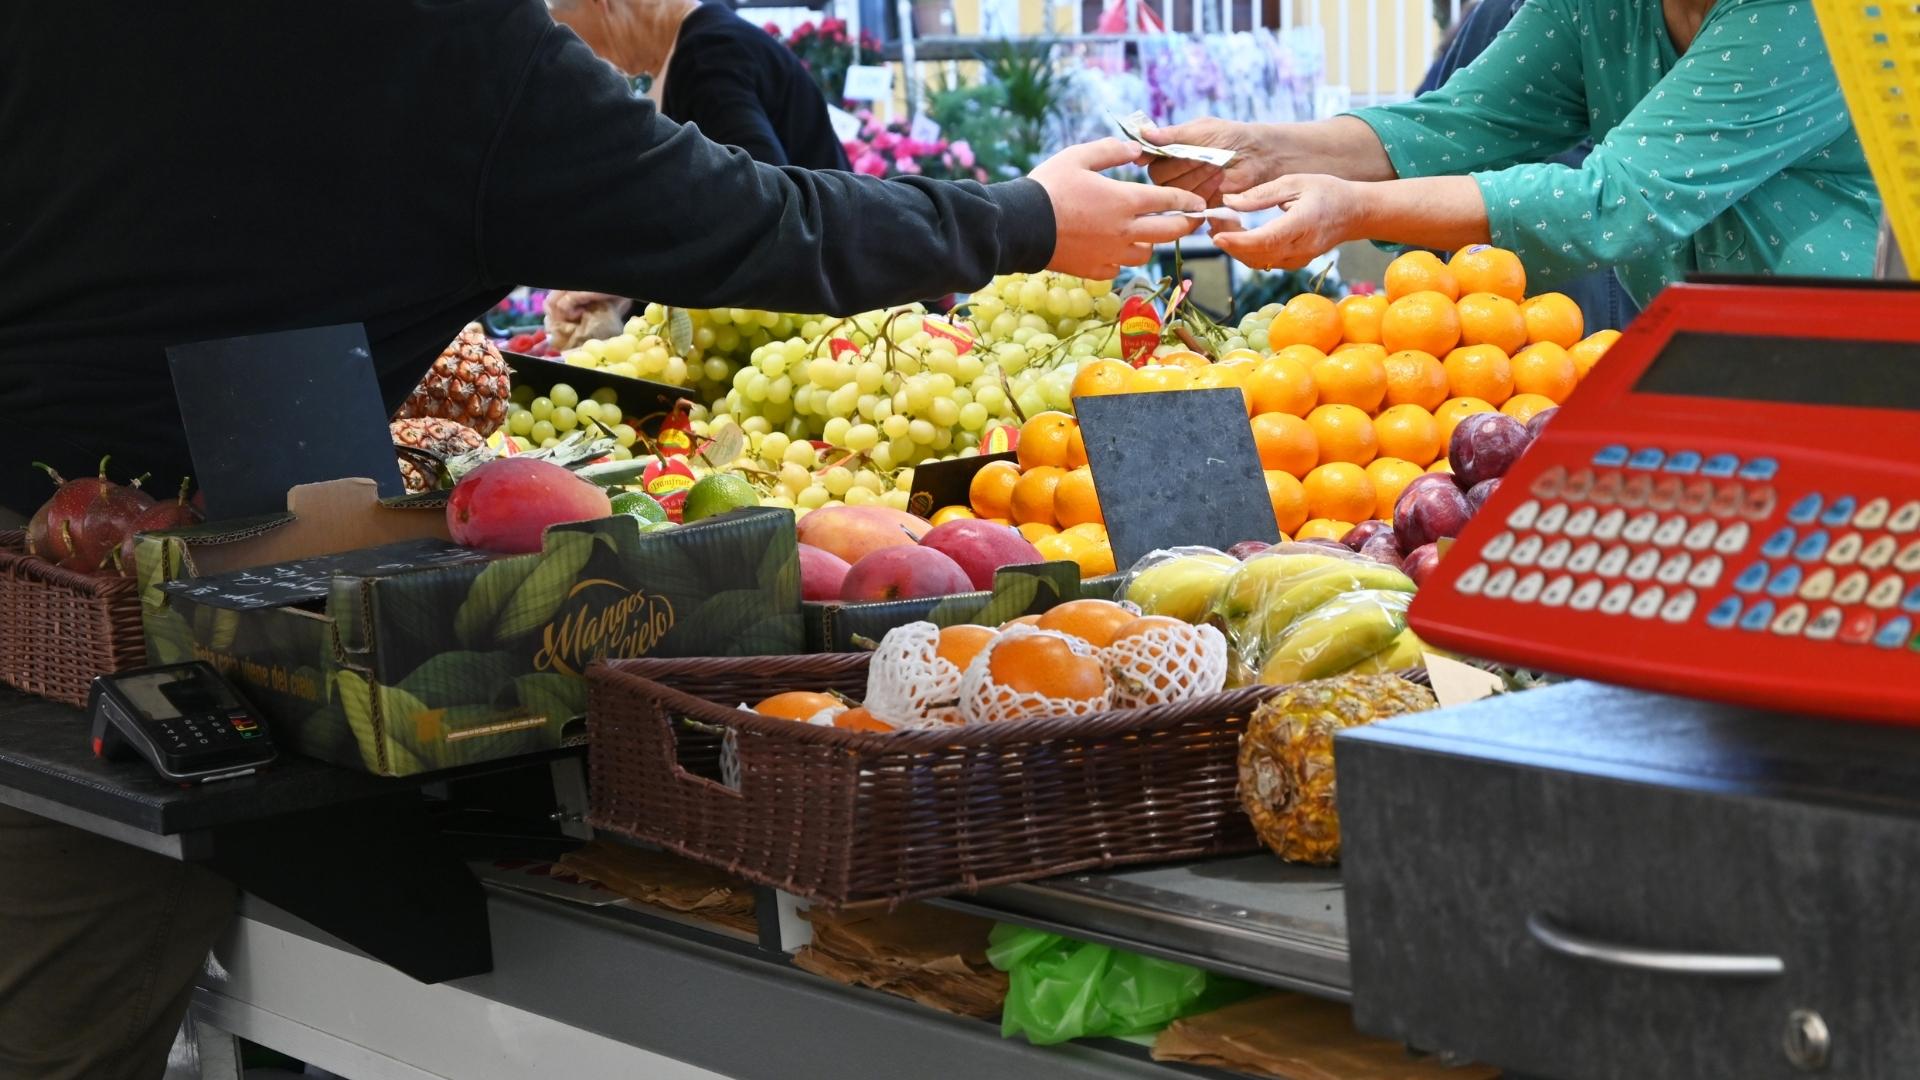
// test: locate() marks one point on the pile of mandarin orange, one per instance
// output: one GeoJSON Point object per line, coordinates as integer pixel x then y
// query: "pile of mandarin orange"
{"type": "Point", "coordinates": [1355, 399]}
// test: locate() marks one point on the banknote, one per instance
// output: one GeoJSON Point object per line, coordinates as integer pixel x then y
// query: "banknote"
{"type": "Point", "coordinates": [1135, 125]}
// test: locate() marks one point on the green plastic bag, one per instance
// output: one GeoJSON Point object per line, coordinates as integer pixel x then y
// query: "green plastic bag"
{"type": "Point", "coordinates": [1060, 989]}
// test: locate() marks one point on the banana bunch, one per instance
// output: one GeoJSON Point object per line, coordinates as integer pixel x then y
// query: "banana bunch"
{"type": "Point", "coordinates": [1292, 613]}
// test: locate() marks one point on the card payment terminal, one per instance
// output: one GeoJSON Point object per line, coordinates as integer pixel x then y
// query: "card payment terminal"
{"type": "Point", "coordinates": [184, 719]}
{"type": "Point", "coordinates": [1728, 508]}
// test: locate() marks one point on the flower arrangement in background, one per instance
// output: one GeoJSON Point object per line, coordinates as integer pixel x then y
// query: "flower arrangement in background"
{"type": "Point", "coordinates": [827, 50]}
{"type": "Point", "coordinates": [888, 150]}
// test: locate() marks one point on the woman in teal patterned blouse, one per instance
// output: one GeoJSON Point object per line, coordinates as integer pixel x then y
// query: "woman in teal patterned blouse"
{"type": "Point", "coordinates": [1722, 146]}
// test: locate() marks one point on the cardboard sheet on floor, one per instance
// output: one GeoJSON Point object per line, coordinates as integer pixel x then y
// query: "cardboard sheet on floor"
{"type": "Point", "coordinates": [1295, 1037]}
{"type": "Point", "coordinates": [925, 954]}
{"type": "Point", "coordinates": [666, 881]}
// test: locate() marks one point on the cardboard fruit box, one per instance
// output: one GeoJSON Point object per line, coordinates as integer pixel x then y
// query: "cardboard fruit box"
{"type": "Point", "coordinates": [370, 640]}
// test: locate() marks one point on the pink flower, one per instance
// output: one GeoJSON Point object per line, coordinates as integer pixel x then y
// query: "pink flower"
{"type": "Point", "coordinates": [854, 148]}
{"type": "Point", "coordinates": [906, 165]}
{"type": "Point", "coordinates": [980, 175]}
{"type": "Point", "coordinates": [962, 152]}
{"type": "Point", "coordinates": [885, 140]}
{"type": "Point", "coordinates": [772, 29]}
{"type": "Point", "coordinates": [871, 164]}
{"type": "Point", "coordinates": [803, 30]}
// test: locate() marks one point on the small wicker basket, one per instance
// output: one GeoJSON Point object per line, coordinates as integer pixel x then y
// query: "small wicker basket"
{"type": "Point", "coordinates": [59, 629]}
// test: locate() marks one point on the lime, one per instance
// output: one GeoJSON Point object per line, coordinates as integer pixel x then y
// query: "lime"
{"type": "Point", "coordinates": [717, 494]}
{"type": "Point", "coordinates": [640, 505]}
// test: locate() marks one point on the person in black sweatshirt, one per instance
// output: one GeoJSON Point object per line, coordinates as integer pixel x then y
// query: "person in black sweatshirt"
{"type": "Point", "coordinates": [203, 169]}
{"type": "Point", "coordinates": [714, 70]}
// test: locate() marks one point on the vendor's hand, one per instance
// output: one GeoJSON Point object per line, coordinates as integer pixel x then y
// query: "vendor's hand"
{"type": "Point", "coordinates": [1256, 159]}
{"type": "Point", "coordinates": [1098, 222]}
{"type": "Point", "coordinates": [1319, 214]}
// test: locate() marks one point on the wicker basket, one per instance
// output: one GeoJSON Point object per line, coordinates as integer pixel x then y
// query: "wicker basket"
{"type": "Point", "coordinates": [843, 817]}
{"type": "Point", "coordinates": [59, 629]}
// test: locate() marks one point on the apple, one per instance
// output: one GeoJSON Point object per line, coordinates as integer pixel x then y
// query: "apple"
{"type": "Point", "coordinates": [908, 572]}
{"type": "Point", "coordinates": [981, 547]}
{"type": "Point", "coordinates": [506, 504]}
{"type": "Point", "coordinates": [853, 532]}
{"type": "Point", "coordinates": [821, 573]}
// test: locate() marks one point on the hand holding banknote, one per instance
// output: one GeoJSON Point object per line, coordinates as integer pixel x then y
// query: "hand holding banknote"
{"type": "Point", "coordinates": [1250, 160]}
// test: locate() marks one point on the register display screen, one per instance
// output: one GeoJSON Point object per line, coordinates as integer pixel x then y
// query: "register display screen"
{"type": "Point", "coordinates": [1801, 371]}
{"type": "Point", "coordinates": [169, 695]}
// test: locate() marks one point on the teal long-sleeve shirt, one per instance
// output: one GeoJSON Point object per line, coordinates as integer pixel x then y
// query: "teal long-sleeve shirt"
{"type": "Point", "coordinates": [1736, 157]}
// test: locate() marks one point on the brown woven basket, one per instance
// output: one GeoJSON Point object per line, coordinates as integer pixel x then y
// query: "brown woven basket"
{"type": "Point", "coordinates": [844, 817]}
{"type": "Point", "coordinates": [59, 629]}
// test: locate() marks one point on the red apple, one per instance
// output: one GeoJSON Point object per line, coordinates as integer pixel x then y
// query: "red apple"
{"type": "Point", "coordinates": [903, 573]}
{"type": "Point", "coordinates": [981, 547]}
{"type": "Point", "coordinates": [821, 573]}
{"type": "Point", "coordinates": [506, 504]}
{"type": "Point", "coordinates": [852, 532]}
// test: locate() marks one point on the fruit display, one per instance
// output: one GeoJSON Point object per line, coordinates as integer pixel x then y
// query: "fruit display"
{"type": "Point", "coordinates": [1286, 757]}
{"type": "Point", "coordinates": [686, 346]}
{"type": "Point", "coordinates": [1080, 658]}
{"type": "Point", "coordinates": [1047, 493]}
{"type": "Point", "coordinates": [469, 383]}
{"type": "Point", "coordinates": [538, 418]}
{"type": "Point", "coordinates": [88, 524]}
{"type": "Point", "coordinates": [862, 554]}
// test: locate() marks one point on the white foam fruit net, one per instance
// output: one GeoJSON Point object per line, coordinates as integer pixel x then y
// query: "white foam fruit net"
{"type": "Point", "coordinates": [1166, 663]}
{"type": "Point", "coordinates": [909, 685]}
{"type": "Point", "coordinates": [982, 700]}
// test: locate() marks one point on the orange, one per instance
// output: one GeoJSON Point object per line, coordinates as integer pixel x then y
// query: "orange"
{"type": "Point", "coordinates": [1360, 317]}
{"type": "Point", "coordinates": [1095, 559]}
{"type": "Point", "coordinates": [1235, 355]}
{"type": "Point", "coordinates": [1043, 664]}
{"type": "Point", "coordinates": [1226, 374]}
{"type": "Point", "coordinates": [1554, 317]}
{"type": "Point", "coordinates": [1282, 384]}
{"type": "Point", "coordinates": [1455, 410]}
{"type": "Point", "coordinates": [1185, 358]}
{"type": "Point", "coordinates": [1087, 530]}
{"type": "Point", "coordinates": [1480, 268]}
{"type": "Point", "coordinates": [1060, 547]}
{"type": "Point", "coordinates": [1352, 378]}
{"type": "Point", "coordinates": [1588, 352]}
{"type": "Point", "coordinates": [1289, 499]}
{"type": "Point", "coordinates": [1481, 371]}
{"type": "Point", "coordinates": [859, 719]}
{"type": "Point", "coordinates": [1155, 377]}
{"type": "Point", "coordinates": [798, 705]}
{"type": "Point", "coordinates": [1420, 271]}
{"type": "Point", "coordinates": [1303, 354]}
{"type": "Point", "coordinates": [1524, 407]}
{"type": "Point", "coordinates": [1043, 440]}
{"type": "Point", "coordinates": [1340, 490]}
{"type": "Point", "coordinates": [1426, 320]}
{"type": "Point", "coordinates": [1074, 500]}
{"type": "Point", "coordinates": [1024, 620]}
{"type": "Point", "coordinates": [1390, 477]}
{"type": "Point", "coordinates": [1103, 376]}
{"type": "Point", "coordinates": [1545, 369]}
{"type": "Point", "coordinates": [952, 513]}
{"type": "Point", "coordinates": [1034, 530]}
{"type": "Point", "coordinates": [1092, 621]}
{"type": "Point", "coordinates": [1408, 432]}
{"type": "Point", "coordinates": [1308, 319]}
{"type": "Point", "coordinates": [1486, 319]}
{"type": "Point", "coordinates": [1443, 465]}
{"type": "Point", "coordinates": [960, 644]}
{"type": "Point", "coordinates": [1415, 378]}
{"type": "Point", "coordinates": [1286, 443]}
{"type": "Point", "coordinates": [1008, 522]}
{"type": "Point", "coordinates": [1076, 447]}
{"type": "Point", "coordinates": [1344, 433]}
{"type": "Point", "coordinates": [1033, 495]}
{"type": "Point", "coordinates": [1324, 529]}
{"type": "Point", "coordinates": [1361, 348]}
{"type": "Point", "coordinates": [991, 491]}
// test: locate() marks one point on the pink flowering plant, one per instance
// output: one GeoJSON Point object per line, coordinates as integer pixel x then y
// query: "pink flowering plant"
{"type": "Point", "coordinates": [888, 150]}
{"type": "Point", "coordinates": [828, 50]}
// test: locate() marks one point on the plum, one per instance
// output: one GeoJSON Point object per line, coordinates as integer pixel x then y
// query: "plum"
{"type": "Point", "coordinates": [1358, 536]}
{"type": "Point", "coordinates": [1382, 547]}
{"type": "Point", "coordinates": [1478, 495]}
{"type": "Point", "coordinates": [1484, 446]}
{"type": "Point", "coordinates": [1247, 549]}
{"type": "Point", "coordinates": [1539, 422]}
{"type": "Point", "coordinates": [1325, 542]}
{"type": "Point", "coordinates": [1420, 563]}
{"type": "Point", "coordinates": [1428, 512]}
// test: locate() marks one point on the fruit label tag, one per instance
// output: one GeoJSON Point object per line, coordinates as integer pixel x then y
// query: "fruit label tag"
{"type": "Point", "coordinates": [1194, 480]}
{"type": "Point", "coordinates": [238, 406]}
{"type": "Point", "coordinates": [868, 82]}
{"type": "Point", "coordinates": [840, 347]}
{"type": "Point", "coordinates": [1139, 330]}
{"type": "Point", "coordinates": [941, 328]}
{"type": "Point", "coordinates": [999, 439]}
{"type": "Point", "coordinates": [667, 481]}
{"type": "Point", "coordinates": [676, 431]}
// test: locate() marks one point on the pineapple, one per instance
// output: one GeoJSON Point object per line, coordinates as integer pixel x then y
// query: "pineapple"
{"type": "Point", "coordinates": [469, 384]}
{"type": "Point", "coordinates": [1286, 757]}
{"type": "Point", "coordinates": [441, 438]}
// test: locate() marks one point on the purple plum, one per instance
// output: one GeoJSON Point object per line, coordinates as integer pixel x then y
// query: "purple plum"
{"type": "Point", "coordinates": [1420, 563]}
{"type": "Point", "coordinates": [1539, 422]}
{"type": "Point", "coordinates": [1382, 547]}
{"type": "Point", "coordinates": [1321, 541]}
{"type": "Point", "coordinates": [1479, 493]}
{"type": "Point", "coordinates": [1247, 549]}
{"type": "Point", "coordinates": [1424, 480]}
{"type": "Point", "coordinates": [1358, 536]}
{"type": "Point", "coordinates": [1484, 446]}
{"type": "Point", "coordinates": [1427, 513]}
